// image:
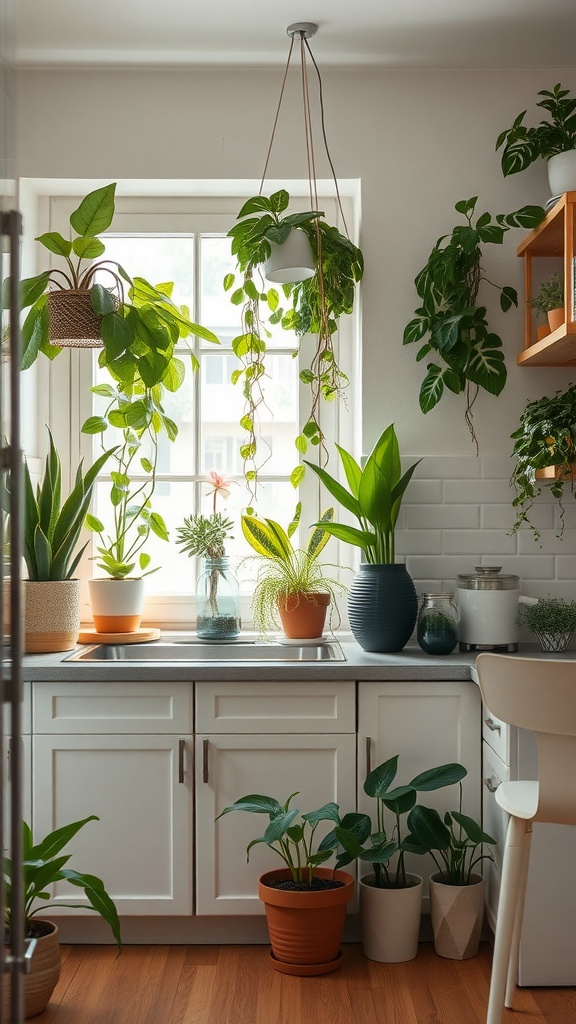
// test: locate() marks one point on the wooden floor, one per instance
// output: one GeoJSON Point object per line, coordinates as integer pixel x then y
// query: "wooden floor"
{"type": "Point", "coordinates": [236, 985]}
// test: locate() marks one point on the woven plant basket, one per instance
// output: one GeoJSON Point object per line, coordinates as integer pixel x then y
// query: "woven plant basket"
{"type": "Point", "coordinates": [73, 322]}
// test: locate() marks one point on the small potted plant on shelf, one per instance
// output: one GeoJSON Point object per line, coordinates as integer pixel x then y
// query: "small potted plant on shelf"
{"type": "Point", "coordinates": [291, 587]}
{"type": "Point", "coordinates": [52, 528]}
{"type": "Point", "coordinates": [545, 453]}
{"type": "Point", "coordinates": [217, 593]}
{"type": "Point", "coordinates": [43, 867]}
{"type": "Point", "coordinates": [382, 603]}
{"type": "Point", "coordinates": [305, 903]}
{"type": "Point", "coordinates": [550, 300]}
{"type": "Point", "coordinates": [553, 620]}
{"type": "Point", "coordinates": [315, 299]}
{"type": "Point", "coordinates": [553, 140]}
{"type": "Point", "coordinates": [455, 843]}
{"type": "Point", "coordinates": [391, 897]}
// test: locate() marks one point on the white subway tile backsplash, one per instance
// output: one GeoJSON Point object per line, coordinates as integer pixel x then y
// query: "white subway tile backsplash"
{"type": "Point", "coordinates": [549, 542]}
{"type": "Point", "coordinates": [569, 517]}
{"type": "Point", "coordinates": [445, 567]}
{"type": "Point", "coordinates": [503, 517]}
{"type": "Point", "coordinates": [444, 467]}
{"type": "Point", "coordinates": [477, 492]}
{"type": "Point", "coordinates": [497, 467]}
{"type": "Point", "coordinates": [442, 517]}
{"type": "Point", "coordinates": [427, 492]}
{"type": "Point", "coordinates": [527, 567]}
{"type": "Point", "coordinates": [565, 567]}
{"type": "Point", "coordinates": [419, 542]}
{"type": "Point", "coordinates": [479, 542]}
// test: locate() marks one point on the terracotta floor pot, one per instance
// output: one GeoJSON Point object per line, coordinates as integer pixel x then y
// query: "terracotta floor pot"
{"type": "Point", "coordinates": [303, 615]}
{"type": "Point", "coordinates": [457, 913]}
{"type": "Point", "coordinates": [390, 920]}
{"type": "Point", "coordinates": [40, 983]}
{"type": "Point", "coordinates": [306, 927]}
{"type": "Point", "coordinates": [51, 615]}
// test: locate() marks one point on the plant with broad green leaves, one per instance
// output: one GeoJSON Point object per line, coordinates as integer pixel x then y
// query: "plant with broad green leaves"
{"type": "Point", "coordinates": [284, 571]}
{"type": "Point", "coordinates": [313, 307]}
{"type": "Point", "coordinates": [550, 295]}
{"type": "Point", "coordinates": [450, 319]}
{"type": "Point", "coordinates": [393, 843]}
{"type": "Point", "coordinates": [294, 841]}
{"type": "Point", "coordinates": [52, 527]}
{"type": "Point", "coordinates": [43, 868]}
{"type": "Point", "coordinates": [451, 841]}
{"type": "Point", "coordinates": [374, 497]}
{"type": "Point", "coordinates": [523, 145]}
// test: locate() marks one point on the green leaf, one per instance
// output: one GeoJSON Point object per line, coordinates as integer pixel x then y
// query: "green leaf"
{"type": "Point", "coordinates": [158, 526]}
{"type": "Point", "coordinates": [297, 476]}
{"type": "Point", "coordinates": [432, 388]}
{"type": "Point", "coordinates": [55, 242]}
{"type": "Point", "coordinates": [95, 212]}
{"type": "Point", "coordinates": [437, 778]}
{"type": "Point", "coordinates": [88, 248]}
{"type": "Point", "coordinates": [379, 780]}
{"type": "Point", "coordinates": [94, 425]}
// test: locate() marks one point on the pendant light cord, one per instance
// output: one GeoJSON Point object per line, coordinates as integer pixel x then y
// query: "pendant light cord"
{"type": "Point", "coordinates": [287, 68]}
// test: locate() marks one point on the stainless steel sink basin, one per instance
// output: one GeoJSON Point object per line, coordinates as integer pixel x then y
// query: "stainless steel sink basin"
{"type": "Point", "coordinates": [196, 651]}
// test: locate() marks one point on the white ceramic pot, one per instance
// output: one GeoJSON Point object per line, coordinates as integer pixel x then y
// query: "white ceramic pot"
{"type": "Point", "coordinates": [562, 173]}
{"type": "Point", "coordinates": [390, 920]}
{"type": "Point", "coordinates": [117, 605]}
{"type": "Point", "coordinates": [291, 261]}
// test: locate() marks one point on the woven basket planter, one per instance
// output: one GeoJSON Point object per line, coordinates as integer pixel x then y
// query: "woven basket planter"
{"type": "Point", "coordinates": [73, 322]}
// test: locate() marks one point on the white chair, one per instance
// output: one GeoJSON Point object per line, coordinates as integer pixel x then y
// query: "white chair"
{"type": "Point", "coordinates": [540, 695]}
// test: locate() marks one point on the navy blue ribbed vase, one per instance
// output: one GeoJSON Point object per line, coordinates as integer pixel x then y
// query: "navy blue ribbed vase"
{"type": "Point", "coordinates": [382, 607]}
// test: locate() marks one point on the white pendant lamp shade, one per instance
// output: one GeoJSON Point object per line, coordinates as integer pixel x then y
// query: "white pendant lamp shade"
{"type": "Point", "coordinates": [292, 261]}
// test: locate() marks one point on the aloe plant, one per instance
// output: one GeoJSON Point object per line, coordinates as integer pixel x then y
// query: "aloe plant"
{"type": "Point", "coordinates": [52, 528]}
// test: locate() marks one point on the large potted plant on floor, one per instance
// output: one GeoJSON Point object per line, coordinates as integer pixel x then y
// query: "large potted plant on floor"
{"type": "Point", "coordinates": [315, 299]}
{"type": "Point", "coordinates": [52, 528]}
{"type": "Point", "coordinates": [382, 602]}
{"type": "Point", "coordinates": [391, 896]}
{"type": "Point", "coordinates": [43, 867]}
{"type": "Point", "coordinates": [455, 842]}
{"type": "Point", "coordinates": [553, 140]}
{"type": "Point", "coordinates": [305, 903]}
{"type": "Point", "coordinates": [291, 590]}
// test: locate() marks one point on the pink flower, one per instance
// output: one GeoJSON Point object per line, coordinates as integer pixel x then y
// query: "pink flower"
{"type": "Point", "coordinates": [220, 484]}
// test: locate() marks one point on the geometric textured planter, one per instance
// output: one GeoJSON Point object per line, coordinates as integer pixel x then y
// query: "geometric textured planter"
{"type": "Point", "coordinates": [382, 607]}
{"type": "Point", "coordinates": [390, 920]}
{"type": "Point", "coordinates": [457, 913]}
{"type": "Point", "coordinates": [43, 977]}
{"type": "Point", "coordinates": [51, 615]}
{"type": "Point", "coordinates": [306, 927]}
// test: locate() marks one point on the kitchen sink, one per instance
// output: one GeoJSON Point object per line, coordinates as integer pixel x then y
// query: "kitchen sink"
{"type": "Point", "coordinates": [196, 651]}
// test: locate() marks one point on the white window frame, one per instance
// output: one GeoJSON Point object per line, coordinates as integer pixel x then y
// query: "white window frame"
{"type": "Point", "coordinates": [163, 204]}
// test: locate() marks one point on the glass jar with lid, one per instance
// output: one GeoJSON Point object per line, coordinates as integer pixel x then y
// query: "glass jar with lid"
{"type": "Point", "coordinates": [437, 627]}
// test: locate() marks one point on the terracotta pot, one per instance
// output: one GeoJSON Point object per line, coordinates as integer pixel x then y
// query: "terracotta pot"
{"type": "Point", "coordinates": [306, 927]}
{"type": "Point", "coordinates": [117, 605]}
{"type": "Point", "coordinates": [51, 615]}
{"type": "Point", "coordinates": [303, 615]}
{"type": "Point", "coordinates": [555, 318]}
{"type": "Point", "coordinates": [40, 983]}
{"type": "Point", "coordinates": [390, 920]}
{"type": "Point", "coordinates": [457, 913]}
{"type": "Point", "coordinates": [542, 331]}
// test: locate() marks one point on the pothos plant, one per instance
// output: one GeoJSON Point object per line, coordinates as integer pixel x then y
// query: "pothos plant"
{"type": "Point", "coordinates": [309, 307]}
{"type": "Point", "coordinates": [450, 319]}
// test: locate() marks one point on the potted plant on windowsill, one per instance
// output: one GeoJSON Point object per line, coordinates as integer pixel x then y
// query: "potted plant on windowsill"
{"type": "Point", "coordinates": [43, 867]}
{"type": "Point", "coordinates": [305, 903]}
{"type": "Point", "coordinates": [455, 843]}
{"type": "Point", "coordinates": [291, 587]}
{"type": "Point", "coordinates": [553, 140]}
{"type": "Point", "coordinates": [391, 897]}
{"type": "Point", "coordinates": [550, 300]}
{"type": "Point", "coordinates": [382, 602]}
{"type": "Point", "coordinates": [52, 528]}
{"type": "Point", "coordinates": [314, 304]}
{"type": "Point", "coordinates": [553, 620]}
{"type": "Point", "coordinates": [545, 454]}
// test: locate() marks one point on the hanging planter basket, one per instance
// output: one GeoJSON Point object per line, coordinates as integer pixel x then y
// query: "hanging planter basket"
{"type": "Point", "coordinates": [73, 322]}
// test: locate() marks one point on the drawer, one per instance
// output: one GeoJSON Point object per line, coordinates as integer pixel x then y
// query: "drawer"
{"type": "Point", "coordinates": [498, 735]}
{"type": "Point", "coordinates": [283, 707]}
{"type": "Point", "coordinates": [90, 708]}
{"type": "Point", "coordinates": [495, 823]}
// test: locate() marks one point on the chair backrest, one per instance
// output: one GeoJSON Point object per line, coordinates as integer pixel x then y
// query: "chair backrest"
{"type": "Point", "coordinates": [539, 694]}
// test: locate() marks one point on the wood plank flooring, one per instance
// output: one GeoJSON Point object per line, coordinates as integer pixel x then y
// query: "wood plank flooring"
{"type": "Point", "coordinates": [236, 985]}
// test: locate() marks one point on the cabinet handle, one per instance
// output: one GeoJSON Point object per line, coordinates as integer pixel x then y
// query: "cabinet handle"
{"type": "Point", "coordinates": [491, 785]}
{"type": "Point", "coordinates": [492, 725]}
{"type": "Point", "coordinates": [181, 757]}
{"type": "Point", "coordinates": [204, 760]}
{"type": "Point", "coordinates": [368, 755]}
{"type": "Point", "coordinates": [9, 762]}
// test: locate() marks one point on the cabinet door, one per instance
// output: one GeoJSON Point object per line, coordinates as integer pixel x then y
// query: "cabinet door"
{"type": "Point", "coordinates": [495, 823]}
{"type": "Point", "coordinates": [321, 768]}
{"type": "Point", "coordinates": [141, 789]}
{"type": "Point", "coordinates": [427, 724]}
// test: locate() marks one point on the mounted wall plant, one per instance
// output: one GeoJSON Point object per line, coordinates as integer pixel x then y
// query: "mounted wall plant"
{"type": "Point", "coordinates": [313, 306]}
{"type": "Point", "coordinates": [549, 140]}
{"type": "Point", "coordinates": [454, 325]}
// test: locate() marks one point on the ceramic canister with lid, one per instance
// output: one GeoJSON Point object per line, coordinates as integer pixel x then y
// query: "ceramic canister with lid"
{"type": "Point", "coordinates": [488, 610]}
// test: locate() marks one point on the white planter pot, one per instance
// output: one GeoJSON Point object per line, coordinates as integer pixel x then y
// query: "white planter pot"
{"type": "Point", "coordinates": [562, 173]}
{"type": "Point", "coordinates": [390, 920]}
{"type": "Point", "coordinates": [116, 604]}
{"type": "Point", "coordinates": [51, 615]}
{"type": "Point", "coordinates": [457, 913]}
{"type": "Point", "coordinates": [292, 261]}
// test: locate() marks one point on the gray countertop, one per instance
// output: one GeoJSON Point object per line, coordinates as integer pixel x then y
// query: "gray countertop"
{"type": "Point", "coordinates": [410, 664]}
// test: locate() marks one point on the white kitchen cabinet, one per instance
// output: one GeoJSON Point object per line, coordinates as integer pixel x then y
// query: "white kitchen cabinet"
{"type": "Point", "coordinates": [271, 738]}
{"type": "Point", "coordinates": [124, 752]}
{"type": "Point", "coordinates": [26, 760]}
{"type": "Point", "coordinates": [427, 724]}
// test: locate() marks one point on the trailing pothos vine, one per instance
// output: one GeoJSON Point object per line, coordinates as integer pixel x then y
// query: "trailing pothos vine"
{"type": "Point", "coordinates": [309, 307]}
{"type": "Point", "coordinates": [454, 326]}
